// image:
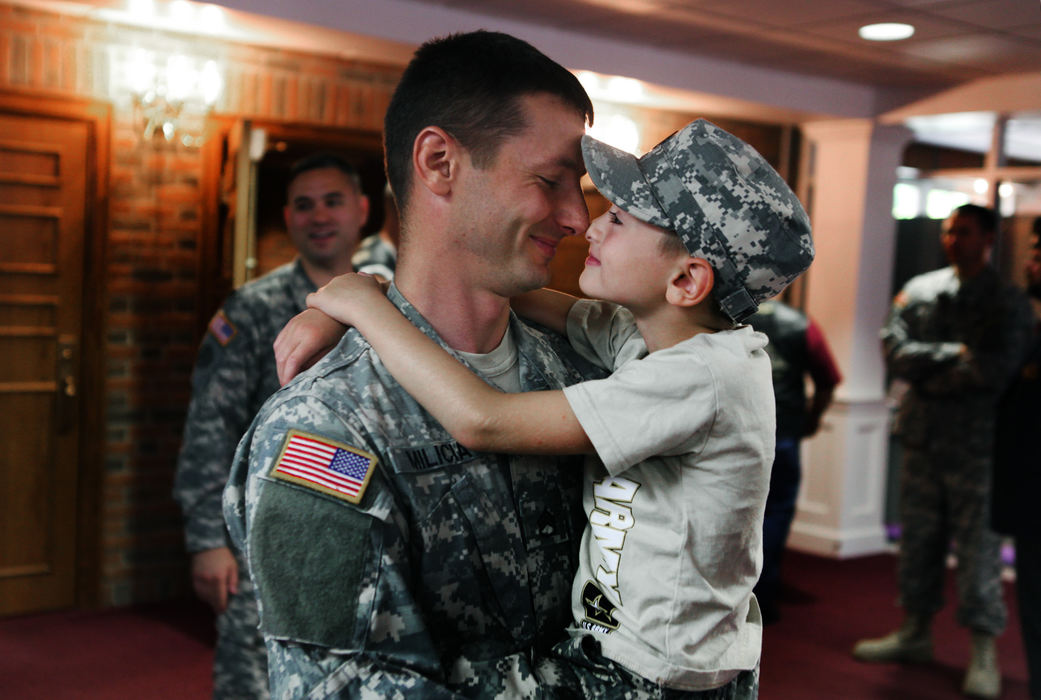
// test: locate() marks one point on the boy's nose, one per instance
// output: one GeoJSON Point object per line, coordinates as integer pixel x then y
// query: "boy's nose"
{"type": "Point", "coordinates": [593, 231]}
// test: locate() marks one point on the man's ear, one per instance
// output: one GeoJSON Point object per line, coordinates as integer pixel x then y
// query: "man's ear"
{"type": "Point", "coordinates": [691, 283]}
{"type": "Point", "coordinates": [363, 208]}
{"type": "Point", "coordinates": [434, 159]}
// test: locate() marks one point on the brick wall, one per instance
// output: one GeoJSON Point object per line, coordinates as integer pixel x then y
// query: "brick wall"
{"type": "Point", "coordinates": [153, 247]}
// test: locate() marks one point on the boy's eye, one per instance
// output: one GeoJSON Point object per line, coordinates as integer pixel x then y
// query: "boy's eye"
{"type": "Point", "coordinates": [614, 217]}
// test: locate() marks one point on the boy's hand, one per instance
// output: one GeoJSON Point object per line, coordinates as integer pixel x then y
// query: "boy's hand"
{"type": "Point", "coordinates": [345, 294]}
{"type": "Point", "coordinates": [307, 338]}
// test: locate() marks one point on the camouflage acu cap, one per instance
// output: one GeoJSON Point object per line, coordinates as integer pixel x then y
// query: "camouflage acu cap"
{"type": "Point", "coordinates": [724, 201]}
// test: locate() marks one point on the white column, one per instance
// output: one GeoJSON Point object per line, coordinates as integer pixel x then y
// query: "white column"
{"type": "Point", "coordinates": [851, 173]}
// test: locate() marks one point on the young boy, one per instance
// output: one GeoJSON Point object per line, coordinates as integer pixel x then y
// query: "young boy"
{"type": "Point", "coordinates": [701, 229]}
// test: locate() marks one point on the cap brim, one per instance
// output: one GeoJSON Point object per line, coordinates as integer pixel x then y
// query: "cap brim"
{"type": "Point", "coordinates": [618, 176]}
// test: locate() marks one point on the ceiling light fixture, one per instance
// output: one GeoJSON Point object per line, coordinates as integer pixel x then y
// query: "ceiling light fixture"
{"type": "Point", "coordinates": [886, 31]}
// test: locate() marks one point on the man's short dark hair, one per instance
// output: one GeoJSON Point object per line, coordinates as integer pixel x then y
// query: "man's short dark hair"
{"type": "Point", "coordinates": [470, 85]}
{"type": "Point", "coordinates": [321, 161]}
{"type": "Point", "coordinates": [985, 218]}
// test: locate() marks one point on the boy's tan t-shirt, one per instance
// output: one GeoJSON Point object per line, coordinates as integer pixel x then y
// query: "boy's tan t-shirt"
{"type": "Point", "coordinates": [673, 544]}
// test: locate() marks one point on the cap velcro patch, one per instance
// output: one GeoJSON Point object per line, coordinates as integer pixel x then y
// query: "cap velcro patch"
{"type": "Point", "coordinates": [324, 465]}
{"type": "Point", "coordinates": [221, 328]}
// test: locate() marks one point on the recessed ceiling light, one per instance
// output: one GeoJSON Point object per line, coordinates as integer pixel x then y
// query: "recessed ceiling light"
{"type": "Point", "coordinates": [886, 31]}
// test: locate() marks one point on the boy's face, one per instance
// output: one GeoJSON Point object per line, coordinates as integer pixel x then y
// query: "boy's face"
{"type": "Point", "coordinates": [511, 215]}
{"type": "Point", "coordinates": [627, 262]}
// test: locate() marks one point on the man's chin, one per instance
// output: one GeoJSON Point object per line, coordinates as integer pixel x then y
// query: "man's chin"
{"type": "Point", "coordinates": [529, 283]}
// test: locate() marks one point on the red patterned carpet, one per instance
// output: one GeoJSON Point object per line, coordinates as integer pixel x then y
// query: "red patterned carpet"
{"type": "Point", "coordinates": [828, 605]}
{"type": "Point", "coordinates": [164, 650]}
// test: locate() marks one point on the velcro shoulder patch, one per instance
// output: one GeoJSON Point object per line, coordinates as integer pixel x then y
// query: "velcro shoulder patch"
{"type": "Point", "coordinates": [324, 465]}
{"type": "Point", "coordinates": [221, 328]}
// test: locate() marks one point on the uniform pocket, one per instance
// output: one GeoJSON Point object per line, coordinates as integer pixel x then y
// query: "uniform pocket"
{"type": "Point", "coordinates": [473, 567]}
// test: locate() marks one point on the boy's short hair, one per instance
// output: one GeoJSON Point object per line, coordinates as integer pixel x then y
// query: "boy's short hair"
{"type": "Point", "coordinates": [726, 203]}
{"type": "Point", "coordinates": [470, 85]}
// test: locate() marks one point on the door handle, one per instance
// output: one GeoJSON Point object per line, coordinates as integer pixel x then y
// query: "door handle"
{"type": "Point", "coordinates": [66, 385]}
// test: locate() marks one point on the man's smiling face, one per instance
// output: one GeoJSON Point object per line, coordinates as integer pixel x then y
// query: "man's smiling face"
{"type": "Point", "coordinates": [324, 216]}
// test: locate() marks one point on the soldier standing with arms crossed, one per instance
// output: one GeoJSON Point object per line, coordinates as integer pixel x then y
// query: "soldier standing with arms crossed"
{"type": "Point", "coordinates": [956, 336]}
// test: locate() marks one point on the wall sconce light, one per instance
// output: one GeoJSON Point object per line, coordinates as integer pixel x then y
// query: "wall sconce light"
{"type": "Point", "coordinates": [616, 130]}
{"type": "Point", "coordinates": [170, 99]}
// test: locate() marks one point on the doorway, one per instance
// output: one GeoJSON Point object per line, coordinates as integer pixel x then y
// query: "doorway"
{"type": "Point", "coordinates": [248, 166]}
{"type": "Point", "coordinates": [52, 175]}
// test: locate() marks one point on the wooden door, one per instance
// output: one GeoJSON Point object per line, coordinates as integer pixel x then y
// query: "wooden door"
{"type": "Point", "coordinates": [43, 191]}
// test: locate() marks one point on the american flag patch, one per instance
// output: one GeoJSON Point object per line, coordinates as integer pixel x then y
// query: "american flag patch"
{"type": "Point", "coordinates": [324, 465]}
{"type": "Point", "coordinates": [221, 328]}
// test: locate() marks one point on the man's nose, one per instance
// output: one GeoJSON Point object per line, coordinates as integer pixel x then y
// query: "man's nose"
{"type": "Point", "coordinates": [572, 213]}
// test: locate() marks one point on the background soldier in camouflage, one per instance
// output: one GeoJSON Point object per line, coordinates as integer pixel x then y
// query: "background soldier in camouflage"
{"type": "Point", "coordinates": [390, 561]}
{"type": "Point", "coordinates": [955, 335]}
{"type": "Point", "coordinates": [378, 253]}
{"type": "Point", "coordinates": [234, 374]}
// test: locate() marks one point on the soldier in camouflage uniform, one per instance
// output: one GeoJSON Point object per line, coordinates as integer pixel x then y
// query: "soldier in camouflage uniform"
{"type": "Point", "coordinates": [955, 336]}
{"type": "Point", "coordinates": [389, 561]}
{"type": "Point", "coordinates": [234, 374]}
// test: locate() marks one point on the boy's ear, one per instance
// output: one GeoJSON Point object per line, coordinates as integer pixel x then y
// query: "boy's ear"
{"type": "Point", "coordinates": [434, 159]}
{"type": "Point", "coordinates": [691, 283]}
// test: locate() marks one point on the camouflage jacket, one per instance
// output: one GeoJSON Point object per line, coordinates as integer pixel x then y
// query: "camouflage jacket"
{"type": "Point", "coordinates": [234, 374]}
{"type": "Point", "coordinates": [376, 257]}
{"type": "Point", "coordinates": [953, 393]}
{"type": "Point", "coordinates": [439, 571]}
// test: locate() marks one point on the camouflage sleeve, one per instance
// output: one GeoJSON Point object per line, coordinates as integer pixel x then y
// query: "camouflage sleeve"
{"type": "Point", "coordinates": [907, 356]}
{"type": "Point", "coordinates": [219, 413]}
{"type": "Point", "coordinates": [996, 341]}
{"type": "Point", "coordinates": [333, 577]}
